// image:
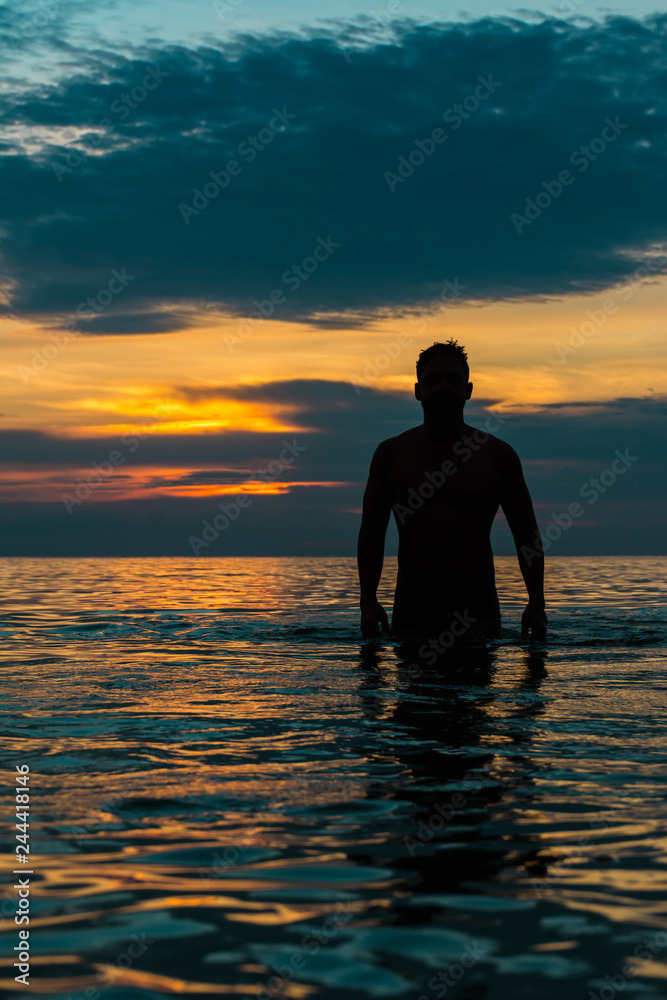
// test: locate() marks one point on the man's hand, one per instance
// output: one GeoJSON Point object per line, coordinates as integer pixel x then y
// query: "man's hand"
{"type": "Point", "coordinates": [535, 620]}
{"type": "Point", "coordinates": [372, 612]}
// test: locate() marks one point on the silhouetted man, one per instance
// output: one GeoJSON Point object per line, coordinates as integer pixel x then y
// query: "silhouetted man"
{"type": "Point", "coordinates": [444, 482]}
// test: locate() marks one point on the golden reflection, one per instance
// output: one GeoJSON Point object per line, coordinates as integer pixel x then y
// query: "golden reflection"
{"type": "Point", "coordinates": [619, 879]}
{"type": "Point", "coordinates": [69, 984]}
{"type": "Point", "coordinates": [269, 913]}
{"type": "Point", "coordinates": [170, 984]}
{"type": "Point", "coordinates": [652, 969]}
{"type": "Point", "coordinates": [213, 731]}
{"type": "Point", "coordinates": [616, 909]}
{"type": "Point", "coordinates": [281, 916]}
{"type": "Point", "coordinates": [8, 963]}
{"type": "Point", "coordinates": [118, 976]}
{"type": "Point", "coordinates": [555, 946]}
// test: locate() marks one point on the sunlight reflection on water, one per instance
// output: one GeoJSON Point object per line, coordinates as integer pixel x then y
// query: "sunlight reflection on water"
{"type": "Point", "coordinates": [231, 794]}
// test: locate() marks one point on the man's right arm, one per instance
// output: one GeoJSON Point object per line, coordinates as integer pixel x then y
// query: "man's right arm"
{"type": "Point", "coordinates": [370, 547]}
{"type": "Point", "coordinates": [517, 506]}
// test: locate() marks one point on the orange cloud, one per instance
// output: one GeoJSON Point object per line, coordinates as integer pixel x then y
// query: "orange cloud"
{"type": "Point", "coordinates": [178, 416]}
{"type": "Point", "coordinates": [27, 484]}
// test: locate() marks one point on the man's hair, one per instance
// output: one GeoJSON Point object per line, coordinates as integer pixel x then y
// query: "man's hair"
{"type": "Point", "coordinates": [450, 350]}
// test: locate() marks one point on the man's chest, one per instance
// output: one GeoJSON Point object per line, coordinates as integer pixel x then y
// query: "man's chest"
{"type": "Point", "coordinates": [463, 476]}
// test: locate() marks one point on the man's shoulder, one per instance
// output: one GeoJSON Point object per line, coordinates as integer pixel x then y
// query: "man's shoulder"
{"type": "Point", "coordinates": [500, 447]}
{"type": "Point", "coordinates": [507, 460]}
{"type": "Point", "coordinates": [398, 439]}
{"type": "Point", "coordinates": [388, 448]}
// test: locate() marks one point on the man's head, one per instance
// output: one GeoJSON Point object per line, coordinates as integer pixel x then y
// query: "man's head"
{"type": "Point", "coordinates": [442, 384]}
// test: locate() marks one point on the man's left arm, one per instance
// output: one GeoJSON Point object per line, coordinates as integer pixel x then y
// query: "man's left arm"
{"type": "Point", "coordinates": [517, 506]}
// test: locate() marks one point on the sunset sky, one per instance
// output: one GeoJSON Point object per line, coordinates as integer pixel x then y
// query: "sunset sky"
{"type": "Point", "coordinates": [365, 184]}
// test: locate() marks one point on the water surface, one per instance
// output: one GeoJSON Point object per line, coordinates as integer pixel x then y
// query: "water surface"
{"type": "Point", "coordinates": [232, 794]}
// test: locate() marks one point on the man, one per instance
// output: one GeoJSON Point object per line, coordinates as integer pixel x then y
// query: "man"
{"type": "Point", "coordinates": [444, 481]}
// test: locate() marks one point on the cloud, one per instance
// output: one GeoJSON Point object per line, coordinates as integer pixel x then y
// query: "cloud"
{"type": "Point", "coordinates": [322, 174]}
{"type": "Point", "coordinates": [29, 24]}
{"type": "Point", "coordinates": [341, 430]}
{"type": "Point", "coordinates": [329, 412]}
{"type": "Point", "coordinates": [130, 323]}
{"type": "Point", "coordinates": [561, 447]}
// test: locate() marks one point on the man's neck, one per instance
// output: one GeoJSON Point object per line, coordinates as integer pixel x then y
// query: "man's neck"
{"type": "Point", "coordinates": [444, 430]}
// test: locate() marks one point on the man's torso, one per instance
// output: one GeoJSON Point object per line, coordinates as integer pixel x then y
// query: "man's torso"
{"type": "Point", "coordinates": [444, 499]}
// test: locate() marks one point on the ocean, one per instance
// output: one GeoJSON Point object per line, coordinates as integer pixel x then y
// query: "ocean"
{"type": "Point", "coordinates": [226, 791]}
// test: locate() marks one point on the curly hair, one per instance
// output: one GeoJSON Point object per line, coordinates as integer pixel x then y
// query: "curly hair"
{"type": "Point", "coordinates": [451, 349]}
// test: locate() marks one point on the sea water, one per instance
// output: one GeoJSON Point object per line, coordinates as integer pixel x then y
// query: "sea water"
{"type": "Point", "coordinates": [232, 794]}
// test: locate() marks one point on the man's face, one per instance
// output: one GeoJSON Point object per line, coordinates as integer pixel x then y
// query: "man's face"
{"type": "Point", "coordinates": [442, 388]}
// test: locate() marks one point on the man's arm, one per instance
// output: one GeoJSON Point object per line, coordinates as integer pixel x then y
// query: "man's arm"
{"type": "Point", "coordinates": [370, 545]}
{"type": "Point", "coordinates": [517, 506]}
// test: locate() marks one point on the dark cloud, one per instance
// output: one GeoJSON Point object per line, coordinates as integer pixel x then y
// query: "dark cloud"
{"type": "Point", "coordinates": [341, 427]}
{"type": "Point", "coordinates": [27, 25]}
{"type": "Point", "coordinates": [322, 174]}
{"type": "Point", "coordinates": [338, 425]}
{"type": "Point", "coordinates": [340, 430]}
{"type": "Point", "coordinates": [129, 323]}
{"type": "Point", "coordinates": [561, 447]}
{"type": "Point", "coordinates": [306, 521]}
